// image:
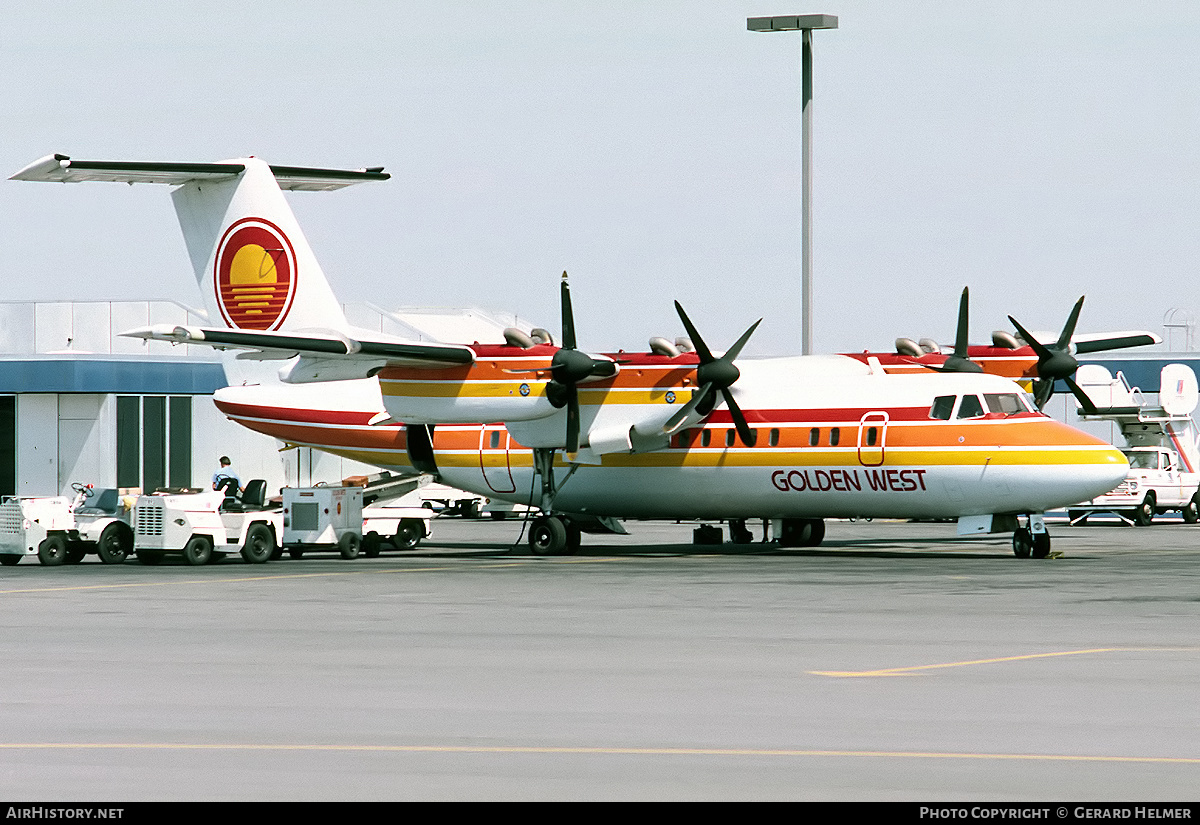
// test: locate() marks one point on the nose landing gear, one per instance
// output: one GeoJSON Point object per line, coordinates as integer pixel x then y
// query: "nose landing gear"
{"type": "Point", "coordinates": [1031, 539]}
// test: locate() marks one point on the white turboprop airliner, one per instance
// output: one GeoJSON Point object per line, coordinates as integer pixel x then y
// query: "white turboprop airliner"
{"type": "Point", "coordinates": [659, 434]}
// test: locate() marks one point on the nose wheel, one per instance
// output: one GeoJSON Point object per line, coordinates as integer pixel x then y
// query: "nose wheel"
{"type": "Point", "coordinates": [1031, 540]}
{"type": "Point", "coordinates": [554, 536]}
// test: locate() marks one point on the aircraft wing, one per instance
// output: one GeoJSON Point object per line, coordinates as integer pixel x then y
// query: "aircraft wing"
{"type": "Point", "coordinates": [323, 356]}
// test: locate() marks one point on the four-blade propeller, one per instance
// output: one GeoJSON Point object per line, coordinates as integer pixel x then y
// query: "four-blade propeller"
{"type": "Point", "coordinates": [714, 375]}
{"type": "Point", "coordinates": [569, 367]}
{"type": "Point", "coordinates": [1056, 361]}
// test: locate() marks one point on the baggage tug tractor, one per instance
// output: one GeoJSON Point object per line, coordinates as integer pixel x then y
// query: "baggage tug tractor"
{"type": "Point", "coordinates": [59, 530]}
{"type": "Point", "coordinates": [204, 526]}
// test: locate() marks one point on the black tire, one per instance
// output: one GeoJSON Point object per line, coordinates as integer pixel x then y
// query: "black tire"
{"type": "Point", "coordinates": [817, 532]}
{"type": "Point", "coordinates": [802, 532]}
{"type": "Point", "coordinates": [1144, 514]}
{"type": "Point", "coordinates": [547, 536]}
{"type": "Point", "coordinates": [408, 534]}
{"type": "Point", "coordinates": [150, 557]}
{"type": "Point", "coordinates": [792, 532]}
{"type": "Point", "coordinates": [1191, 510]}
{"type": "Point", "coordinates": [260, 544]}
{"type": "Point", "coordinates": [1041, 545]}
{"type": "Point", "coordinates": [348, 545]}
{"type": "Point", "coordinates": [75, 552]}
{"type": "Point", "coordinates": [372, 543]}
{"type": "Point", "coordinates": [115, 544]}
{"type": "Point", "coordinates": [197, 551]}
{"type": "Point", "coordinates": [52, 551]}
{"type": "Point", "coordinates": [9, 559]}
{"type": "Point", "coordinates": [1022, 543]}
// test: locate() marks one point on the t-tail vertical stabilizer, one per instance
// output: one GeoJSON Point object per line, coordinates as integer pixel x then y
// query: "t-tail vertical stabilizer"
{"type": "Point", "coordinates": [254, 266]}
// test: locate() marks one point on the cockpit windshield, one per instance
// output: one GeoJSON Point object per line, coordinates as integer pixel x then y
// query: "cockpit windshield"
{"type": "Point", "coordinates": [998, 403]}
{"type": "Point", "coordinates": [1007, 402]}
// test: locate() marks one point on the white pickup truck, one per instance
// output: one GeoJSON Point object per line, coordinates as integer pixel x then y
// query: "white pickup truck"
{"type": "Point", "coordinates": [1158, 482]}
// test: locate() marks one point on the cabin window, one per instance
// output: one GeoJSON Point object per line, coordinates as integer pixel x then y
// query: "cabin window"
{"type": "Point", "coordinates": [970, 407]}
{"type": "Point", "coordinates": [705, 438]}
{"type": "Point", "coordinates": [773, 439]}
{"type": "Point", "coordinates": [729, 438]}
{"type": "Point", "coordinates": [814, 437]}
{"type": "Point", "coordinates": [942, 407]}
{"type": "Point", "coordinates": [495, 442]}
{"type": "Point", "coordinates": [835, 435]}
{"type": "Point", "coordinates": [872, 436]}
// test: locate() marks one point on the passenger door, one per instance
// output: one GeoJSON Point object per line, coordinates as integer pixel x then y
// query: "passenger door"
{"type": "Point", "coordinates": [872, 435]}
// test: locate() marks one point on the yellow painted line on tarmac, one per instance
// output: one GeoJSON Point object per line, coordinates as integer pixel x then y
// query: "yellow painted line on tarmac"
{"type": "Point", "coordinates": [280, 576]}
{"type": "Point", "coordinates": [590, 751]}
{"type": "Point", "coordinates": [900, 671]}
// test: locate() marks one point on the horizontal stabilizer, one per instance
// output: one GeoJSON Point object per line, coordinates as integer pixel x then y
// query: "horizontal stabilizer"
{"type": "Point", "coordinates": [62, 169]}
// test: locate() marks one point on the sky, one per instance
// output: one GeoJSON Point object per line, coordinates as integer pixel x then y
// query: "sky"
{"type": "Point", "coordinates": [1033, 151]}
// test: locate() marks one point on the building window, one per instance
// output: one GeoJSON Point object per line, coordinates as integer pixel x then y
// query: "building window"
{"type": "Point", "coordinates": [154, 441]}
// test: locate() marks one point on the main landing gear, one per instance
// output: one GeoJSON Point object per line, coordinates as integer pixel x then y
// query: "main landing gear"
{"type": "Point", "coordinates": [801, 532]}
{"type": "Point", "coordinates": [554, 536]}
{"type": "Point", "coordinates": [551, 535]}
{"type": "Point", "coordinates": [1031, 539]}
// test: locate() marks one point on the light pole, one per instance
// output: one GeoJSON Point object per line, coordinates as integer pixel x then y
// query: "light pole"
{"type": "Point", "coordinates": [804, 23]}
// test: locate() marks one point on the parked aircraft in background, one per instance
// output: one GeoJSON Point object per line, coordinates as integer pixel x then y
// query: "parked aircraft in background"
{"type": "Point", "coordinates": [679, 431]}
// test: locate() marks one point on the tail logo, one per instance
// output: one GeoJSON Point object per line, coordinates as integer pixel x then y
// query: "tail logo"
{"type": "Point", "coordinates": [255, 275]}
